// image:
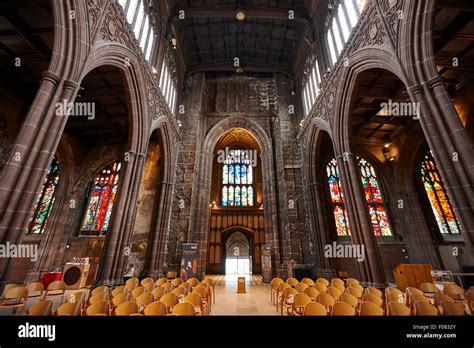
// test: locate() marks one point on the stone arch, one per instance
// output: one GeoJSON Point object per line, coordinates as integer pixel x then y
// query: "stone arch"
{"type": "Point", "coordinates": [200, 214]}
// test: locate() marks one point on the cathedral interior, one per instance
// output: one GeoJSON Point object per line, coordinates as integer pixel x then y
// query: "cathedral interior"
{"type": "Point", "coordinates": [212, 139]}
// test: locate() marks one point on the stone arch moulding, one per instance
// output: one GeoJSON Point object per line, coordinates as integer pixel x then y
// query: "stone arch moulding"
{"type": "Point", "coordinates": [362, 60]}
{"type": "Point", "coordinates": [200, 213]}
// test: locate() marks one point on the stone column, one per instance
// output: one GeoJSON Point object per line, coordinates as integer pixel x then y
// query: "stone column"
{"type": "Point", "coordinates": [119, 236]}
{"type": "Point", "coordinates": [451, 148]}
{"type": "Point", "coordinates": [36, 145]}
{"type": "Point", "coordinates": [370, 269]}
{"type": "Point", "coordinates": [155, 255]}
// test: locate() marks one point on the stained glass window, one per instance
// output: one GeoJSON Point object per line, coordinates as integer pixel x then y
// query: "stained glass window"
{"type": "Point", "coordinates": [237, 179]}
{"type": "Point", "coordinates": [438, 197]}
{"type": "Point", "coordinates": [45, 201]}
{"type": "Point", "coordinates": [101, 200]}
{"type": "Point", "coordinates": [337, 199]}
{"type": "Point", "coordinates": [373, 196]}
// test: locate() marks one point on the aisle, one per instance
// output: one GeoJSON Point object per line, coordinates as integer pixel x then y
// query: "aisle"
{"type": "Point", "coordinates": [255, 302]}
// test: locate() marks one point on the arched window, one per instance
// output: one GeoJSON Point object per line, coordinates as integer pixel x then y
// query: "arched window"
{"type": "Point", "coordinates": [237, 179]}
{"type": "Point", "coordinates": [101, 200]}
{"type": "Point", "coordinates": [373, 196]}
{"type": "Point", "coordinates": [337, 200]}
{"type": "Point", "coordinates": [45, 201]}
{"type": "Point", "coordinates": [439, 200]}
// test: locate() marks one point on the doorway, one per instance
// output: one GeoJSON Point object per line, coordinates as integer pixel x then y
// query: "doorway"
{"type": "Point", "coordinates": [238, 260]}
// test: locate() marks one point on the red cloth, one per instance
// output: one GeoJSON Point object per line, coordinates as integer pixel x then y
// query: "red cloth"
{"type": "Point", "coordinates": [50, 277]}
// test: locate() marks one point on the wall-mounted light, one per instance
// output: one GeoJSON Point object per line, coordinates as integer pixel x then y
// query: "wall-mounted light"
{"type": "Point", "coordinates": [387, 152]}
{"type": "Point", "coordinates": [239, 70]}
{"type": "Point", "coordinates": [154, 71]}
{"type": "Point", "coordinates": [240, 15]}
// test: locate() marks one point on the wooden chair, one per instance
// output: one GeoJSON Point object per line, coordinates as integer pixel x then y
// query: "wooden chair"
{"type": "Point", "coordinates": [211, 288]}
{"type": "Point", "coordinates": [425, 309]}
{"type": "Point", "coordinates": [168, 286]}
{"type": "Point", "coordinates": [35, 289]}
{"type": "Point", "coordinates": [147, 281]}
{"type": "Point", "coordinates": [429, 289]}
{"type": "Point", "coordinates": [184, 309]}
{"type": "Point", "coordinates": [176, 282]}
{"type": "Point", "coordinates": [197, 302]}
{"type": "Point", "coordinates": [350, 281]}
{"type": "Point", "coordinates": [161, 281]}
{"type": "Point", "coordinates": [72, 309]}
{"type": "Point", "coordinates": [334, 292]}
{"type": "Point", "coordinates": [138, 291]}
{"type": "Point", "coordinates": [201, 290]}
{"type": "Point", "coordinates": [342, 309]}
{"type": "Point", "coordinates": [170, 300]}
{"type": "Point", "coordinates": [355, 291]}
{"type": "Point", "coordinates": [292, 282]}
{"type": "Point", "coordinates": [326, 300]}
{"type": "Point", "coordinates": [180, 291]}
{"type": "Point", "coordinates": [394, 294]}
{"type": "Point", "coordinates": [470, 301]}
{"type": "Point", "coordinates": [440, 298]}
{"type": "Point", "coordinates": [187, 286]}
{"type": "Point", "coordinates": [453, 309]}
{"type": "Point", "coordinates": [397, 309]}
{"type": "Point", "coordinates": [156, 308]}
{"type": "Point", "coordinates": [300, 287]}
{"type": "Point", "coordinates": [287, 299]}
{"type": "Point", "coordinates": [418, 298]}
{"type": "Point", "coordinates": [323, 281]}
{"type": "Point", "coordinates": [368, 308]}
{"type": "Point", "coordinates": [312, 293]}
{"type": "Point", "coordinates": [308, 282]}
{"type": "Point", "coordinates": [158, 292]}
{"type": "Point", "coordinates": [373, 298]}
{"type": "Point", "coordinates": [100, 290]}
{"type": "Point", "coordinates": [320, 287]}
{"type": "Point", "coordinates": [410, 291]}
{"type": "Point", "coordinates": [193, 282]}
{"type": "Point", "coordinates": [374, 291]}
{"type": "Point", "coordinates": [99, 308]}
{"type": "Point", "coordinates": [454, 291]}
{"type": "Point", "coordinates": [98, 297]}
{"type": "Point", "coordinates": [338, 283]}
{"type": "Point", "coordinates": [131, 284]}
{"type": "Point", "coordinates": [126, 308]}
{"type": "Point", "coordinates": [56, 288]}
{"type": "Point", "coordinates": [78, 297]}
{"type": "Point", "coordinates": [8, 287]}
{"type": "Point", "coordinates": [144, 300]}
{"type": "Point", "coordinates": [149, 287]}
{"type": "Point", "coordinates": [349, 299]}
{"type": "Point", "coordinates": [118, 290]}
{"type": "Point", "coordinates": [121, 298]}
{"type": "Point", "coordinates": [299, 303]}
{"type": "Point", "coordinates": [14, 298]}
{"type": "Point", "coordinates": [280, 290]}
{"type": "Point", "coordinates": [41, 308]}
{"type": "Point", "coordinates": [315, 309]}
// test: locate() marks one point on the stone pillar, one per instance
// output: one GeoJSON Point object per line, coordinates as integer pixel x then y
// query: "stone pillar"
{"type": "Point", "coordinates": [36, 145]}
{"type": "Point", "coordinates": [370, 269]}
{"type": "Point", "coordinates": [119, 235]}
{"type": "Point", "coordinates": [451, 148]}
{"type": "Point", "coordinates": [155, 255]}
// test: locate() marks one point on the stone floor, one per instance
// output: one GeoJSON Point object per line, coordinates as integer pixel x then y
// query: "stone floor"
{"type": "Point", "coordinates": [256, 301]}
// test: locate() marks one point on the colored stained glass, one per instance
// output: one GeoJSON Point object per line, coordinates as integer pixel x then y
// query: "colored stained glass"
{"type": "Point", "coordinates": [438, 197]}
{"type": "Point", "coordinates": [337, 199]}
{"type": "Point", "coordinates": [102, 199]}
{"type": "Point", "coordinates": [237, 175]}
{"type": "Point", "coordinates": [45, 201]}
{"type": "Point", "coordinates": [225, 174]}
{"type": "Point", "coordinates": [373, 196]}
